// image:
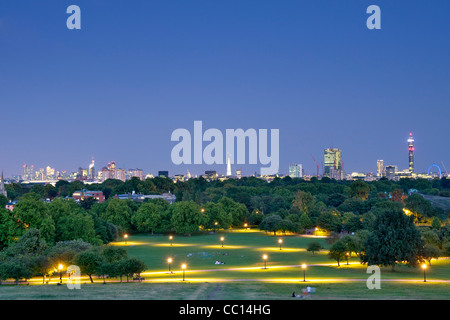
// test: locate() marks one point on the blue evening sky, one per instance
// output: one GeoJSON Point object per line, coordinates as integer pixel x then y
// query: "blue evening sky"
{"type": "Point", "coordinates": [137, 70]}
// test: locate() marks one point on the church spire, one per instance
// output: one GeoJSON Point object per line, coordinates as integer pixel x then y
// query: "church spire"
{"type": "Point", "coordinates": [2, 187]}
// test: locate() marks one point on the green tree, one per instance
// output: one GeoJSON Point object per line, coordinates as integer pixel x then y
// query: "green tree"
{"type": "Point", "coordinates": [9, 229]}
{"type": "Point", "coordinates": [394, 239]}
{"type": "Point", "coordinates": [18, 267]}
{"type": "Point", "coordinates": [419, 206]}
{"type": "Point", "coordinates": [218, 218]}
{"type": "Point", "coordinates": [271, 223]}
{"type": "Point", "coordinates": [186, 217]}
{"type": "Point", "coordinates": [359, 189]}
{"type": "Point", "coordinates": [30, 244]}
{"type": "Point", "coordinates": [41, 266]}
{"type": "Point", "coordinates": [134, 266]}
{"type": "Point", "coordinates": [436, 223]}
{"type": "Point", "coordinates": [3, 201]}
{"type": "Point", "coordinates": [285, 225]}
{"type": "Point", "coordinates": [149, 217]}
{"type": "Point", "coordinates": [354, 224]}
{"type": "Point", "coordinates": [304, 201]}
{"type": "Point", "coordinates": [112, 253]}
{"type": "Point", "coordinates": [313, 247]}
{"type": "Point", "coordinates": [31, 212]}
{"type": "Point", "coordinates": [305, 222]}
{"type": "Point", "coordinates": [338, 251]}
{"type": "Point", "coordinates": [89, 261]}
{"type": "Point", "coordinates": [429, 252]}
{"type": "Point", "coordinates": [118, 213]}
{"type": "Point", "coordinates": [238, 211]}
{"type": "Point", "coordinates": [329, 220]}
{"type": "Point", "coordinates": [65, 252]}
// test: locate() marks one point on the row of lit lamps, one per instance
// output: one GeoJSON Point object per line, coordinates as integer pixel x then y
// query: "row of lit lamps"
{"type": "Point", "coordinates": [265, 257]}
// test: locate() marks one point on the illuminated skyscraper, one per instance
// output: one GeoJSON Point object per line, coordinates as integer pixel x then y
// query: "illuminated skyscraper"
{"type": "Point", "coordinates": [228, 167]}
{"type": "Point", "coordinates": [411, 152]}
{"type": "Point", "coordinates": [295, 170]}
{"type": "Point", "coordinates": [91, 173]}
{"type": "Point", "coordinates": [28, 172]}
{"type": "Point", "coordinates": [333, 164]}
{"type": "Point", "coordinates": [380, 168]}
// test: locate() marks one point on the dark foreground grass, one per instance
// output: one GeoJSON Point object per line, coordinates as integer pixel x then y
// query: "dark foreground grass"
{"type": "Point", "coordinates": [227, 291]}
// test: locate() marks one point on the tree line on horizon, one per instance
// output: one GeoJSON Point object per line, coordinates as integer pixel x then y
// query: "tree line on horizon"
{"type": "Point", "coordinates": [284, 205]}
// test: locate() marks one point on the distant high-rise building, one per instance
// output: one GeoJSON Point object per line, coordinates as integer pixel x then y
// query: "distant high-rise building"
{"type": "Point", "coordinates": [228, 167]}
{"type": "Point", "coordinates": [390, 172]}
{"type": "Point", "coordinates": [411, 152]}
{"type": "Point", "coordinates": [91, 170]}
{"type": "Point", "coordinates": [139, 173]}
{"type": "Point", "coordinates": [295, 170]}
{"type": "Point", "coordinates": [50, 173]}
{"type": "Point", "coordinates": [380, 168]}
{"type": "Point", "coordinates": [333, 164]}
{"type": "Point", "coordinates": [211, 175]}
{"type": "Point", "coordinates": [163, 174]}
{"type": "Point", "coordinates": [112, 172]}
{"type": "Point", "coordinates": [28, 172]}
{"type": "Point", "coordinates": [239, 173]}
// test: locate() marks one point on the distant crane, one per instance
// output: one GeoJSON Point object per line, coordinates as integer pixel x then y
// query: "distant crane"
{"type": "Point", "coordinates": [316, 165]}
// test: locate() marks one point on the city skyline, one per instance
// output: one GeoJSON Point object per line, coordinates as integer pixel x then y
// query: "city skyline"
{"type": "Point", "coordinates": [135, 72]}
{"type": "Point", "coordinates": [332, 158]}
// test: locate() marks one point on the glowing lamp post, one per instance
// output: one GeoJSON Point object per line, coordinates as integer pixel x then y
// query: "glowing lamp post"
{"type": "Point", "coordinates": [183, 267]}
{"type": "Point", "coordinates": [222, 239]}
{"type": "Point", "coordinates": [424, 267]}
{"type": "Point", "coordinates": [280, 241]}
{"type": "Point", "coordinates": [245, 226]}
{"type": "Point", "coordinates": [60, 268]}
{"type": "Point", "coordinates": [169, 261]}
{"type": "Point", "coordinates": [215, 226]}
{"type": "Point", "coordinates": [171, 240]}
{"type": "Point", "coordinates": [347, 254]}
{"type": "Point", "coordinates": [126, 237]}
{"type": "Point", "coordinates": [265, 260]}
{"type": "Point", "coordinates": [304, 272]}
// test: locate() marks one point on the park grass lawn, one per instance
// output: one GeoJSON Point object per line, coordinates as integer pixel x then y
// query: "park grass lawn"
{"type": "Point", "coordinates": [242, 254]}
{"type": "Point", "coordinates": [227, 291]}
{"type": "Point", "coordinates": [243, 277]}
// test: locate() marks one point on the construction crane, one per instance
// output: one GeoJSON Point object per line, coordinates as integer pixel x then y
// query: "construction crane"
{"type": "Point", "coordinates": [316, 165]}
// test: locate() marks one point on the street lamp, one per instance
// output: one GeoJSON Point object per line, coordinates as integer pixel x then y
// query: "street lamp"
{"type": "Point", "coordinates": [304, 272]}
{"type": "Point", "coordinates": [183, 266]}
{"type": "Point", "coordinates": [245, 226]}
{"type": "Point", "coordinates": [215, 225]}
{"type": "Point", "coordinates": [221, 239]}
{"type": "Point", "coordinates": [202, 210]}
{"type": "Point", "coordinates": [169, 261]}
{"type": "Point", "coordinates": [347, 254]}
{"type": "Point", "coordinates": [60, 267]}
{"type": "Point", "coordinates": [424, 267]}
{"type": "Point", "coordinates": [126, 237]}
{"type": "Point", "coordinates": [280, 241]}
{"type": "Point", "coordinates": [170, 238]}
{"type": "Point", "coordinates": [265, 261]}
